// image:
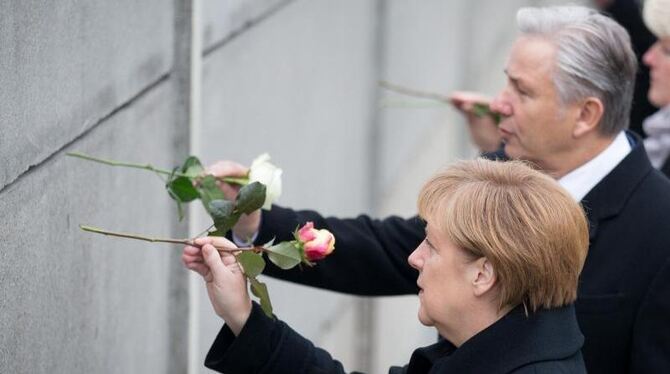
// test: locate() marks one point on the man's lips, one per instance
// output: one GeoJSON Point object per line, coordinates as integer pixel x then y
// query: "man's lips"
{"type": "Point", "coordinates": [504, 131]}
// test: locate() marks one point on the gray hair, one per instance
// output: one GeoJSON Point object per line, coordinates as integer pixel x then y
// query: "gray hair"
{"type": "Point", "coordinates": [594, 58]}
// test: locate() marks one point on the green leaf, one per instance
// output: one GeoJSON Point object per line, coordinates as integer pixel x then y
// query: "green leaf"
{"type": "Point", "coordinates": [269, 244]}
{"type": "Point", "coordinates": [183, 189]}
{"type": "Point", "coordinates": [482, 109]}
{"type": "Point", "coordinates": [224, 225]}
{"type": "Point", "coordinates": [223, 214]}
{"type": "Point", "coordinates": [173, 195]}
{"type": "Point", "coordinates": [285, 255]}
{"type": "Point", "coordinates": [260, 290]}
{"type": "Point", "coordinates": [252, 263]}
{"type": "Point", "coordinates": [192, 167]}
{"type": "Point", "coordinates": [180, 209]}
{"type": "Point", "coordinates": [251, 197]}
{"type": "Point", "coordinates": [220, 209]}
{"type": "Point", "coordinates": [209, 191]}
{"type": "Point", "coordinates": [242, 181]}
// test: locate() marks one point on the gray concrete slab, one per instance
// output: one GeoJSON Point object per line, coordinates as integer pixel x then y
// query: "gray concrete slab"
{"type": "Point", "coordinates": [75, 302]}
{"type": "Point", "coordinates": [65, 65]}
{"type": "Point", "coordinates": [222, 19]}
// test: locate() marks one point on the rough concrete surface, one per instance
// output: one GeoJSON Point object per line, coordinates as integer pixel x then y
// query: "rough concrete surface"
{"type": "Point", "coordinates": [65, 65]}
{"type": "Point", "coordinates": [222, 19]}
{"type": "Point", "coordinates": [75, 302]}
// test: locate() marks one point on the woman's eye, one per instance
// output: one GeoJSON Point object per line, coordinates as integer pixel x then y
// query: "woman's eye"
{"type": "Point", "coordinates": [430, 245]}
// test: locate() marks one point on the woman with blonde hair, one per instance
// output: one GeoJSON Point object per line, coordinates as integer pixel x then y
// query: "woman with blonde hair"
{"type": "Point", "coordinates": [498, 274]}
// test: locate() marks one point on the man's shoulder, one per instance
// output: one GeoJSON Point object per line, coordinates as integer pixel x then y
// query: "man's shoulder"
{"type": "Point", "coordinates": [633, 184]}
{"type": "Point", "coordinates": [654, 187]}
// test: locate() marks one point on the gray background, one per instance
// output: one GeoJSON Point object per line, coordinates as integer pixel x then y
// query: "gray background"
{"type": "Point", "coordinates": [153, 81]}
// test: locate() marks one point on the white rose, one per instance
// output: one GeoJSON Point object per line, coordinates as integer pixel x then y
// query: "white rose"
{"type": "Point", "coordinates": [263, 171]}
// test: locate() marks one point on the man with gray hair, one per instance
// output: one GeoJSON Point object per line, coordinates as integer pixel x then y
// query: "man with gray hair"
{"type": "Point", "coordinates": [571, 77]}
{"type": "Point", "coordinates": [565, 108]}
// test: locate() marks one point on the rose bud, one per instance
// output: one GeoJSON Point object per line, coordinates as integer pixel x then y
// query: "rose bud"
{"type": "Point", "coordinates": [306, 233]}
{"type": "Point", "coordinates": [317, 244]}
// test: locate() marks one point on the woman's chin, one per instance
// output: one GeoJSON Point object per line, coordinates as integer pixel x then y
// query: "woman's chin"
{"type": "Point", "coordinates": [423, 318]}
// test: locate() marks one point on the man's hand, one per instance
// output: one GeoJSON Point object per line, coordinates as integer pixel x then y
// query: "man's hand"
{"type": "Point", "coordinates": [483, 129]}
{"type": "Point", "coordinates": [226, 284]}
{"type": "Point", "coordinates": [248, 224]}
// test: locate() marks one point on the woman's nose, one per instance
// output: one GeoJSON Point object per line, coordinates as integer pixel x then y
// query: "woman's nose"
{"type": "Point", "coordinates": [415, 259]}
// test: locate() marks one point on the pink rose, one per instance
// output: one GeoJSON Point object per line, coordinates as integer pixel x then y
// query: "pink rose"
{"type": "Point", "coordinates": [307, 232]}
{"type": "Point", "coordinates": [317, 244]}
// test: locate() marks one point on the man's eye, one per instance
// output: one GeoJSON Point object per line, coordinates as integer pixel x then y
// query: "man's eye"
{"type": "Point", "coordinates": [519, 90]}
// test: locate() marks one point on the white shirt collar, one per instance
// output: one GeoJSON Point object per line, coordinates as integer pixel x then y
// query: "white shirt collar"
{"type": "Point", "coordinates": [581, 180]}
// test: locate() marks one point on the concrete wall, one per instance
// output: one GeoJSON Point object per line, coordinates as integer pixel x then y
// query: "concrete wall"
{"type": "Point", "coordinates": [94, 77]}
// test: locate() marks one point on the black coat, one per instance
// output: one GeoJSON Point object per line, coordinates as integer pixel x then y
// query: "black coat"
{"type": "Point", "coordinates": [623, 306]}
{"type": "Point", "coordinates": [666, 167]}
{"type": "Point", "coordinates": [546, 342]}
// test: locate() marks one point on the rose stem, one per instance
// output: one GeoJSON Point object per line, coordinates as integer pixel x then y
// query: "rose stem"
{"type": "Point", "coordinates": [163, 240]}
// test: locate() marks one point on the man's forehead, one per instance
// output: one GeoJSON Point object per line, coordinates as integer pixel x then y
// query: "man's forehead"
{"type": "Point", "coordinates": [530, 57]}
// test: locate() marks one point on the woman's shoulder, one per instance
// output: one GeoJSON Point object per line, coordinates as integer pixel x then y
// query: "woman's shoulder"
{"type": "Point", "coordinates": [569, 365]}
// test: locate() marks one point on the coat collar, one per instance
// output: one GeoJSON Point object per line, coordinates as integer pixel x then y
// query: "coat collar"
{"type": "Point", "coordinates": [513, 341]}
{"type": "Point", "coordinates": [611, 194]}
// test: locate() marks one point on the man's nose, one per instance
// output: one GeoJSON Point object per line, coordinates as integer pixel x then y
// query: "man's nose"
{"type": "Point", "coordinates": [500, 105]}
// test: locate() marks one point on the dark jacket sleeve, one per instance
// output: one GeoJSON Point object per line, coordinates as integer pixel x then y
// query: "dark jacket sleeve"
{"type": "Point", "coordinates": [267, 345]}
{"type": "Point", "coordinates": [370, 256]}
{"type": "Point", "coordinates": [651, 336]}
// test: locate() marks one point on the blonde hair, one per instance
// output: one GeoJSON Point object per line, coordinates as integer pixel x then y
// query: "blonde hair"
{"type": "Point", "coordinates": [531, 230]}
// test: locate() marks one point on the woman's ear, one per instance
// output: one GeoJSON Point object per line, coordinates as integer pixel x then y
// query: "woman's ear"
{"type": "Point", "coordinates": [589, 114]}
{"type": "Point", "coordinates": [484, 278]}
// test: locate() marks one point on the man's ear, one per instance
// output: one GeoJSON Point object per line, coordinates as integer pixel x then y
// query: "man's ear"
{"type": "Point", "coordinates": [589, 113]}
{"type": "Point", "coordinates": [484, 276]}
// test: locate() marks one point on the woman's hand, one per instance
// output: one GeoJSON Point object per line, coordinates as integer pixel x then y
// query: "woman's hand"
{"type": "Point", "coordinates": [226, 284]}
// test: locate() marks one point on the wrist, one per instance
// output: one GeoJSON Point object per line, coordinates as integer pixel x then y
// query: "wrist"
{"type": "Point", "coordinates": [236, 321]}
{"type": "Point", "coordinates": [247, 227]}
